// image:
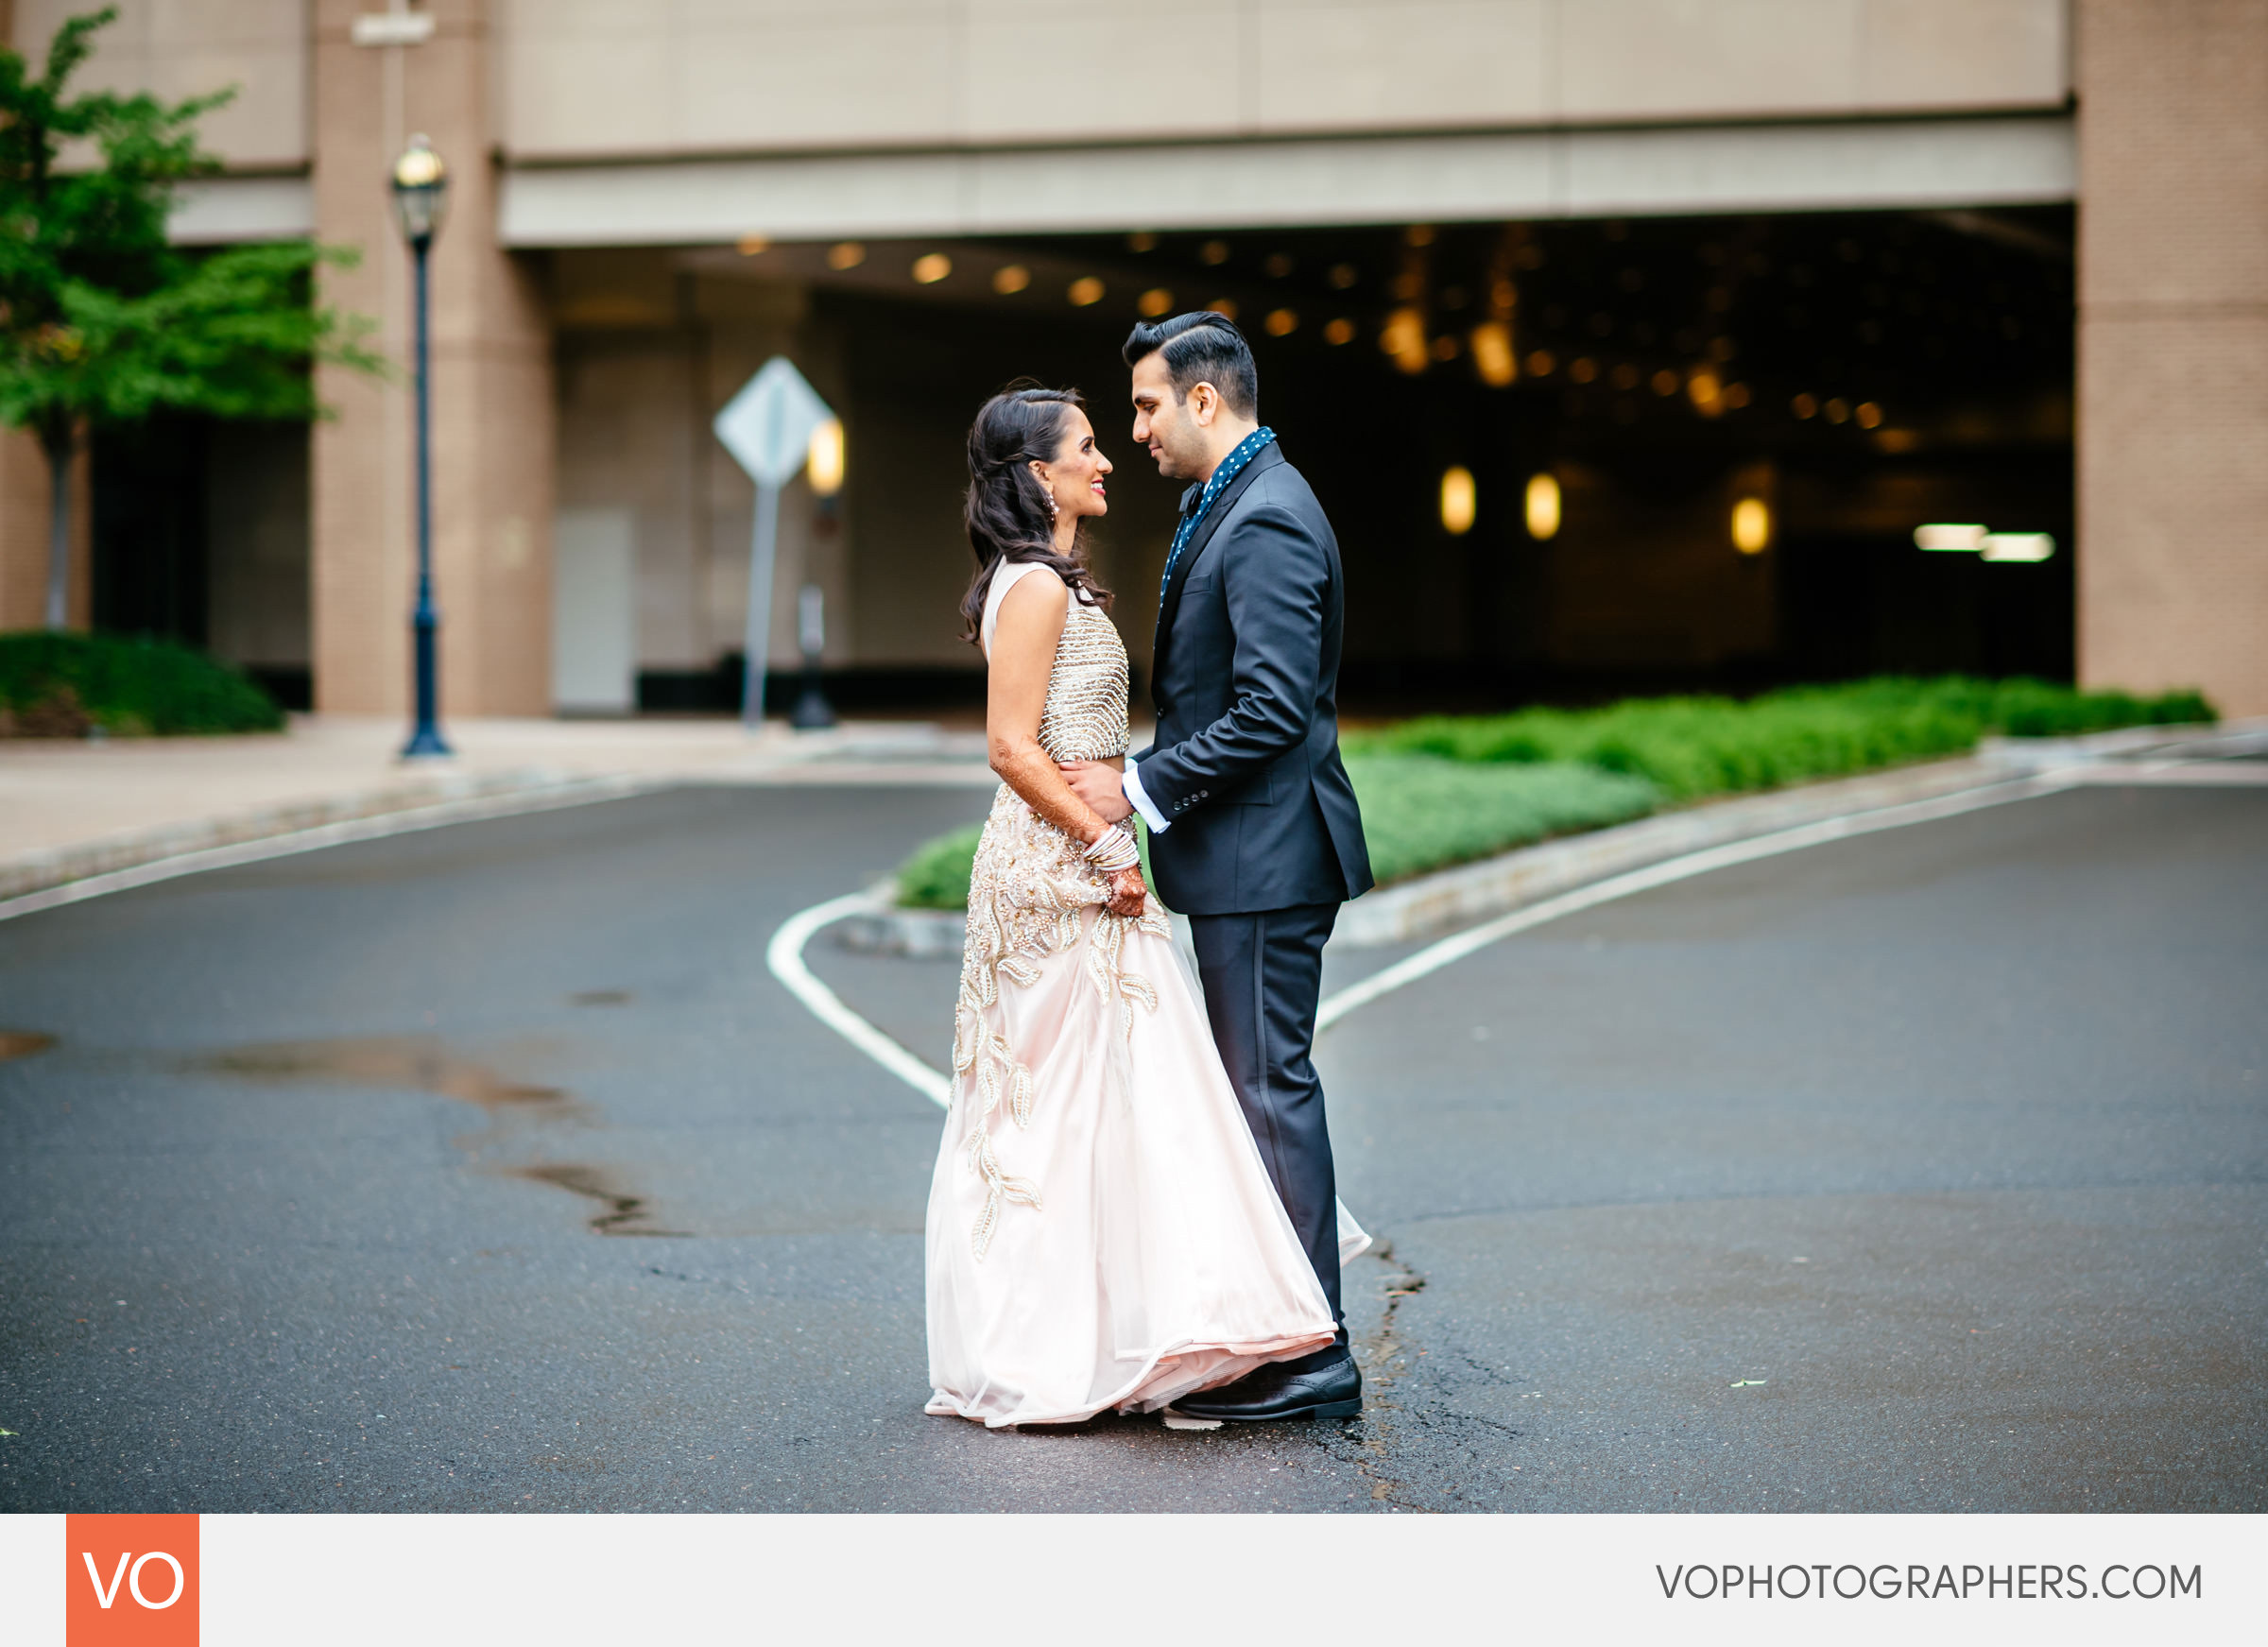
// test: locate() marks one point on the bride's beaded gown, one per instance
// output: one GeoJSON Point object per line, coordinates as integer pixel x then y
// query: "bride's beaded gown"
{"type": "Point", "coordinates": [1102, 1233]}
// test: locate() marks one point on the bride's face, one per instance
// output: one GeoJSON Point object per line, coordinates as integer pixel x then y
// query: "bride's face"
{"type": "Point", "coordinates": [1075, 477]}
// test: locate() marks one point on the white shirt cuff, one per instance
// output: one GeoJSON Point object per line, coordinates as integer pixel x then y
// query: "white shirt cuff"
{"type": "Point", "coordinates": [1150, 814]}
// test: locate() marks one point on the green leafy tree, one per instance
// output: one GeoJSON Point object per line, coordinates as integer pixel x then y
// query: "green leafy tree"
{"type": "Point", "coordinates": [102, 320]}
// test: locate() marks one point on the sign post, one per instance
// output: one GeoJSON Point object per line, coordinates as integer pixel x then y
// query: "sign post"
{"type": "Point", "coordinates": [768, 427]}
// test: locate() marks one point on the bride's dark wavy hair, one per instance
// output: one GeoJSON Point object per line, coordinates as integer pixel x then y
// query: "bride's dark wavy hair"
{"type": "Point", "coordinates": [1006, 509]}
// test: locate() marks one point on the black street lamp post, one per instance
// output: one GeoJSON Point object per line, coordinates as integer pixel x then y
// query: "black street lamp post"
{"type": "Point", "coordinates": [420, 198]}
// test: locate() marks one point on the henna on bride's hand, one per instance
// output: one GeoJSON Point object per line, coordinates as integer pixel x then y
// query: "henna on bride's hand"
{"type": "Point", "coordinates": [1128, 894]}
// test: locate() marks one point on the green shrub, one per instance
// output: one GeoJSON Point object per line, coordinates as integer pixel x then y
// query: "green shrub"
{"type": "Point", "coordinates": [1421, 813]}
{"type": "Point", "coordinates": [936, 876]}
{"type": "Point", "coordinates": [2034, 708]}
{"type": "Point", "coordinates": [58, 682]}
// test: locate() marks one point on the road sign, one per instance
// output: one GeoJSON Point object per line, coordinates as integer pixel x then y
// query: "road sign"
{"type": "Point", "coordinates": [768, 427]}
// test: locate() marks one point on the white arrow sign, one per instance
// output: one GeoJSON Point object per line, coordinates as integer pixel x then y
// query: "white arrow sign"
{"type": "Point", "coordinates": [768, 427]}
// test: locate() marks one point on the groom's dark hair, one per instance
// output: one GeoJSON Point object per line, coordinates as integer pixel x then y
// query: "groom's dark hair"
{"type": "Point", "coordinates": [1204, 347]}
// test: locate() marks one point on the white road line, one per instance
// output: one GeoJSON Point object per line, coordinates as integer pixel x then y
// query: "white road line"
{"type": "Point", "coordinates": [784, 955]}
{"type": "Point", "coordinates": [1457, 947]}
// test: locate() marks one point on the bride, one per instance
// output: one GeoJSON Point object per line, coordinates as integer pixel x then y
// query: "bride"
{"type": "Point", "coordinates": [1101, 1232]}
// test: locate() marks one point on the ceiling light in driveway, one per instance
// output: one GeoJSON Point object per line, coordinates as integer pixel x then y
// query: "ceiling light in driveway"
{"type": "Point", "coordinates": [1945, 538]}
{"type": "Point", "coordinates": [2017, 546]}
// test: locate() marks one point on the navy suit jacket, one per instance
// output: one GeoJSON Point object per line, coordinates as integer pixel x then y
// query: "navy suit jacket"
{"type": "Point", "coordinates": [1246, 765]}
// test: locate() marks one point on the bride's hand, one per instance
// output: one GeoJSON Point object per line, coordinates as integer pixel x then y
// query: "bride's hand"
{"type": "Point", "coordinates": [1128, 894]}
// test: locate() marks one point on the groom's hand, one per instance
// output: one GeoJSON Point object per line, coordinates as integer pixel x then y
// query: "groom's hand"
{"type": "Point", "coordinates": [1098, 784]}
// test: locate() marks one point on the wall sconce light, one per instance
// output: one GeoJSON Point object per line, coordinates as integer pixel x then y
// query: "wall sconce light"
{"type": "Point", "coordinates": [1458, 501]}
{"type": "Point", "coordinates": [1751, 525]}
{"type": "Point", "coordinates": [1543, 506]}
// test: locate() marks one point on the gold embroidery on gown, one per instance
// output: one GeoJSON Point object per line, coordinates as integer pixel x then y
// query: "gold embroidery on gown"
{"type": "Point", "coordinates": [1029, 892]}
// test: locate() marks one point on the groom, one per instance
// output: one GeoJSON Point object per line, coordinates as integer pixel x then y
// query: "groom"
{"type": "Point", "coordinates": [1254, 834]}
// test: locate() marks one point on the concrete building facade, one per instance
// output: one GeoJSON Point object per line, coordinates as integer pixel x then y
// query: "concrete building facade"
{"type": "Point", "coordinates": [1476, 232]}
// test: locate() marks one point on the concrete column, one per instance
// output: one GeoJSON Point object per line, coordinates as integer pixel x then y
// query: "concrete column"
{"type": "Point", "coordinates": [2173, 346]}
{"type": "Point", "coordinates": [493, 407]}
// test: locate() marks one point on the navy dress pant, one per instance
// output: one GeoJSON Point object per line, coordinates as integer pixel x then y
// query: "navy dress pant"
{"type": "Point", "coordinates": [1263, 974]}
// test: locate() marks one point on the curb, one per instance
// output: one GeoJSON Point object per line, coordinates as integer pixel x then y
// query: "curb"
{"type": "Point", "coordinates": [39, 881]}
{"type": "Point", "coordinates": [1449, 898]}
{"type": "Point", "coordinates": [38, 872]}
{"type": "Point", "coordinates": [449, 798]}
{"type": "Point", "coordinates": [1411, 911]}
{"type": "Point", "coordinates": [920, 935]}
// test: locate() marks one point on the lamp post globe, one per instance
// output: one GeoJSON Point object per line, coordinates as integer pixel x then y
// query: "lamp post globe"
{"type": "Point", "coordinates": [421, 186]}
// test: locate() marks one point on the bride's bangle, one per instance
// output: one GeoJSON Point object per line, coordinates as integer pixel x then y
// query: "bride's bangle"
{"type": "Point", "coordinates": [1114, 850]}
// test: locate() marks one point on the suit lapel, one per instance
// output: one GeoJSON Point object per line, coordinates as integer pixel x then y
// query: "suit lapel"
{"type": "Point", "coordinates": [1170, 602]}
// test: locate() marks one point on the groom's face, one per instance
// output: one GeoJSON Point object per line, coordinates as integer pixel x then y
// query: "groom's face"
{"type": "Point", "coordinates": [1173, 428]}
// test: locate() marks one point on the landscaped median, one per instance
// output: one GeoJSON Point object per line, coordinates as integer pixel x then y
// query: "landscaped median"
{"type": "Point", "coordinates": [1447, 790]}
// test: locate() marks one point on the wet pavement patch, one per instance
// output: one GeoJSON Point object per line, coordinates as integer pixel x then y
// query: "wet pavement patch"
{"type": "Point", "coordinates": [421, 1065]}
{"type": "Point", "coordinates": [424, 1065]}
{"type": "Point", "coordinates": [624, 1214]}
{"type": "Point", "coordinates": [600, 998]}
{"type": "Point", "coordinates": [23, 1043]}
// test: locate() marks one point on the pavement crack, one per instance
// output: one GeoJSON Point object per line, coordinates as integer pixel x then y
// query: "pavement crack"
{"type": "Point", "coordinates": [1384, 1359]}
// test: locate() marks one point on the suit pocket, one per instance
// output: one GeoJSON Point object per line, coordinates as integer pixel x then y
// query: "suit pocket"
{"type": "Point", "coordinates": [1260, 791]}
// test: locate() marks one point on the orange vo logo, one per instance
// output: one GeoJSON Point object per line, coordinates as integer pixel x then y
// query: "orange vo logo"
{"type": "Point", "coordinates": [131, 1579]}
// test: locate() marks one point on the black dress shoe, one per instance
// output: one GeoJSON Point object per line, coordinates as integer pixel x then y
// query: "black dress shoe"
{"type": "Point", "coordinates": [1333, 1390]}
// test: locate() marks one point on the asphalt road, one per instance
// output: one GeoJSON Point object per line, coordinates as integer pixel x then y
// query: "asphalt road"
{"type": "Point", "coordinates": [490, 1169]}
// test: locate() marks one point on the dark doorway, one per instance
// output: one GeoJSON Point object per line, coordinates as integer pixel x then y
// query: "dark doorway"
{"type": "Point", "coordinates": [149, 529]}
{"type": "Point", "coordinates": [200, 536]}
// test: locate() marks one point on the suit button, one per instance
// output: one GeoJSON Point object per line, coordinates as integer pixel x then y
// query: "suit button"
{"type": "Point", "coordinates": [1204, 795]}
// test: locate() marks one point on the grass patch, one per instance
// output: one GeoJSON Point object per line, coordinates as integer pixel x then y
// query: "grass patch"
{"type": "Point", "coordinates": [1696, 746]}
{"type": "Point", "coordinates": [63, 685]}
